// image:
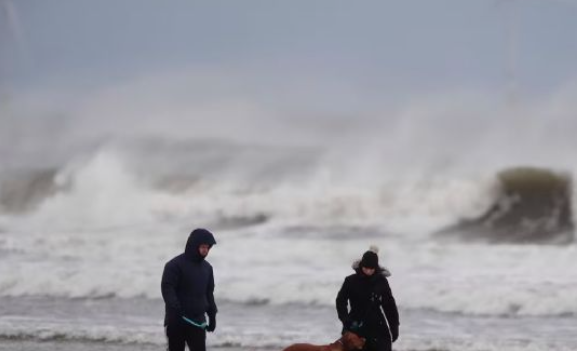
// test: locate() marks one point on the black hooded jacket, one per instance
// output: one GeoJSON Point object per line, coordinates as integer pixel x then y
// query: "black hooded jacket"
{"type": "Point", "coordinates": [371, 303]}
{"type": "Point", "coordinates": [188, 282]}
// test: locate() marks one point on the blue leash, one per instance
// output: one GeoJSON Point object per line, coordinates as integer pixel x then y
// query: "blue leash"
{"type": "Point", "coordinates": [202, 325]}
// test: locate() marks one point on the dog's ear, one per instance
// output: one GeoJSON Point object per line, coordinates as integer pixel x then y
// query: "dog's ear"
{"type": "Point", "coordinates": [352, 341]}
{"type": "Point", "coordinates": [346, 339]}
{"type": "Point", "coordinates": [358, 342]}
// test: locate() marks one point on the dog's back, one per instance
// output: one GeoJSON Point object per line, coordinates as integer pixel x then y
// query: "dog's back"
{"type": "Point", "coordinates": [348, 342]}
{"type": "Point", "coordinates": [307, 347]}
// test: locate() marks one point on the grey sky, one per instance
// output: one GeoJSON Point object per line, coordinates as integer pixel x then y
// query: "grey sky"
{"type": "Point", "coordinates": [407, 81]}
{"type": "Point", "coordinates": [378, 46]}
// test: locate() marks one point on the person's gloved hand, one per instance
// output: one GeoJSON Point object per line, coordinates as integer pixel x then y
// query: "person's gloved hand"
{"type": "Point", "coordinates": [394, 332]}
{"type": "Point", "coordinates": [211, 323]}
{"type": "Point", "coordinates": [351, 325]}
{"type": "Point", "coordinates": [356, 326]}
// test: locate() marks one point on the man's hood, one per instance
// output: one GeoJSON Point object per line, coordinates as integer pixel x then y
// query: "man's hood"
{"type": "Point", "coordinates": [198, 237]}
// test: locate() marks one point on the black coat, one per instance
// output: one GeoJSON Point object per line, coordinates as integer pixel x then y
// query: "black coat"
{"type": "Point", "coordinates": [188, 283]}
{"type": "Point", "coordinates": [371, 303]}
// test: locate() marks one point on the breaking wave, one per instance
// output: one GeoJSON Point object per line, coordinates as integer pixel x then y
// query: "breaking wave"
{"type": "Point", "coordinates": [102, 225]}
{"type": "Point", "coordinates": [21, 191]}
{"type": "Point", "coordinates": [224, 184]}
{"type": "Point", "coordinates": [229, 186]}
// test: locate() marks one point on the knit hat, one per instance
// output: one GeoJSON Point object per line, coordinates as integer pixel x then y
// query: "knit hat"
{"type": "Point", "coordinates": [370, 260]}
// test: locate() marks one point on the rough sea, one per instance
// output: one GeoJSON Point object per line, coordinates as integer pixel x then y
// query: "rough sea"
{"type": "Point", "coordinates": [84, 238]}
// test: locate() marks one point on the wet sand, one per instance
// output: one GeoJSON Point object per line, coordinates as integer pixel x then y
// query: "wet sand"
{"type": "Point", "coordinates": [70, 345]}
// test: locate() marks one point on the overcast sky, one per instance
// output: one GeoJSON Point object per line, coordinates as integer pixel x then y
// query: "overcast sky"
{"type": "Point", "coordinates": [428, 76]}
{"type": "Point", "coordinates": [397, 47]}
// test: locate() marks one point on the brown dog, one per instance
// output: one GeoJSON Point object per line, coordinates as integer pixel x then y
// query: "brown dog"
{"type": "Point", "coordinates": [348, 342]}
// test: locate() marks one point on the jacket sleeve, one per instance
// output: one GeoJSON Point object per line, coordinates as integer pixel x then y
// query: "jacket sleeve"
{"type": "Point", "coordinates": [210, 296]}
{"type": "Point", "coordinates": [342, 302]}
{"type": "Point", "coordinates": [390, 306]}
{"type": "Point", "coordinates": [168, 285]}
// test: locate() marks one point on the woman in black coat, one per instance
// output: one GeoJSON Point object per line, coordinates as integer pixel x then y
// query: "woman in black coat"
{"type": "Point", "coordinates": [373, 311]}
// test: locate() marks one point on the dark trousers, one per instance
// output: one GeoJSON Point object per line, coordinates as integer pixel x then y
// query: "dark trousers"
{"type": "Point", "coordinates": [179, 334]}
{"type": "Point", "coordinates": [381, 342]}
{"type": "Point", "coordinates": [378, 344]}
{"type": "Point", "coordinates": [378, 337]}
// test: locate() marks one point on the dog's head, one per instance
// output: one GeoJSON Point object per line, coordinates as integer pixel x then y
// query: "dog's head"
{"type": "Point", "coordinates": [352, 341]}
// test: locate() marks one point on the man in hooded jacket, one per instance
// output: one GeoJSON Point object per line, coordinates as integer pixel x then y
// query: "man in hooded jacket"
{"type": "Point", "coordinates": [373, 311]}
{"type": "Point", "coordinates": [188, 292]}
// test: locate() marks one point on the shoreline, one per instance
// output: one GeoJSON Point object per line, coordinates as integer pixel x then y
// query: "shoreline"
{"type": "Point", "coordinates": [15, 344]}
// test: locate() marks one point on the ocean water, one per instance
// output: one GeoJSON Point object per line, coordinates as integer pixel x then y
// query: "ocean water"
{"type": "Point", "coordinates": [83, 243]}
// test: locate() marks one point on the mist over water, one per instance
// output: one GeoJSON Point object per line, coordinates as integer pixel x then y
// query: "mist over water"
{"type": "Point", "coordinates": [454, 130]}
{"type": "Point", "coordinates": [122, 174]}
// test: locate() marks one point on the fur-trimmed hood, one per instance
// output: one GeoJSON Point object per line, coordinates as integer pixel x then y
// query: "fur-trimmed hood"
{"type": "Point", "coordinates": [381, 270]}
